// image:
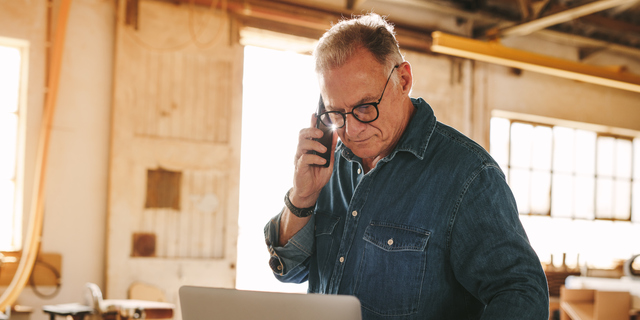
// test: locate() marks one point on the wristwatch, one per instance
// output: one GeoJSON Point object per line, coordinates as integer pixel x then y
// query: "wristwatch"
{"type": "Point", "coordinates": [298, 212]}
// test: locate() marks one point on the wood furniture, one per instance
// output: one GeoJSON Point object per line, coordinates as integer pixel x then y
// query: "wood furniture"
{"type": "Point", "coordinates": [110, 309]}
{"type": "Point", "coordinates": [120, 309]}
{"type": "Point", "coordinates": [588, 304]}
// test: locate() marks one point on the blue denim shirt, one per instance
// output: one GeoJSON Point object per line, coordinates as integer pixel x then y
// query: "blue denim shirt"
{"type": "Point", "coordinates": [432, 232]}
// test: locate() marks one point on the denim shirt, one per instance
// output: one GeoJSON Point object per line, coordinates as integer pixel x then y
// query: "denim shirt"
{"type": "Point", "coordinates": [432, 232]}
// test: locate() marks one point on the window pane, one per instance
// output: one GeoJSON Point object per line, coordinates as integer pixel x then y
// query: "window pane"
{"type": "Point", "coordinates": [622, 196]}
{"type": "Point", "coordinates": [540, 192]}
{"type": "Point", "coordinates": [584, 197]}
{"type": "Point", "coordinates": [7, 189]}
{"type": "Point", "coordinates": [563, 143]}
{"type": "Point", "coordinates": [521, 139]}
{"type": "Point", "coordinates": [500, 141]}
{"type": "Point", "coordinates": [635, 215]}
{"type": "Point", "coordinates": [542, 141]}
{"type": "Point", "coordinates": [635, 206]}
{"type": "Point", "coordinates": [9, 79]}
{"type": "Point", "coordinates": [562, 196]}
{"type": "Point", "coordinates": [585, 161]}
{"type": "Point", "coordinates": [604, 198]}
{"type": "Point", "coordinates": [623, 158]}
{"type": "Point", "coordinates": [8, 140]}
{"type": "Point", "coordinates": [636, 159]}
{"type": "Point", "coordinates": [520, 185]}
{"type": "Point", "coordinates": [606, 151]}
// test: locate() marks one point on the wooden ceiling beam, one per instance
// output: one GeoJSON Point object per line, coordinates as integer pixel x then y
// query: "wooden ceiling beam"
{"type": "Point", "coordinates": [493, 52]}
{"type": "Point", "coordinates": [305, 21]}
{"type": "Point", "coordinates": [557, 18]}
{"type": "Point", "coordinates": [309, 22]}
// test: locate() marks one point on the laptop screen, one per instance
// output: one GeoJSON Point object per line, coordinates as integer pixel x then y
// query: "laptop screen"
{"type": "Point", "coordinates": [200, 303]}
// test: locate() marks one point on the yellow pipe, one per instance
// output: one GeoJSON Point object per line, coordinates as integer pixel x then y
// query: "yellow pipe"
{"type": "Point", "coordinates": [493, 52]}
{"type": "Point", "coordinates": [36, 216]}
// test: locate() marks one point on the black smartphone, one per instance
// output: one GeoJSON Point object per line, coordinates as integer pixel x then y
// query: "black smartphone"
{"type": "Point", "coordinates": [327, 137]}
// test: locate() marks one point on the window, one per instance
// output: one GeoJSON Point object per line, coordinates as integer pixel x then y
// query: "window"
{"type": "Point", "coordinates": [11, 60]}
{"type": "Point", "coordinates": [266, 164]}
{"type": "Point", "coordinates": [567, 172]}
{"type": "Point", "coordinates": [577, 190]}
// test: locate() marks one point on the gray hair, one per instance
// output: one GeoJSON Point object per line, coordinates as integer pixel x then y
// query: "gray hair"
{"type": "Point", "coordinates": [370, 31]}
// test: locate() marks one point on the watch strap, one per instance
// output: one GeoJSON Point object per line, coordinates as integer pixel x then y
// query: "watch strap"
{"type": "Point", "coordinates": [298, 212]}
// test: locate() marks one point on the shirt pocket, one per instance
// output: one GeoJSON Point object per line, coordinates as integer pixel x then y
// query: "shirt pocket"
{"type": "Point", "coordinates": [392, 268]}
{"type": "Point", "coordinates": [325, 227]}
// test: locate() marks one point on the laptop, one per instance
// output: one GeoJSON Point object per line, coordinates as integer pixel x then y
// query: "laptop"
{"type": "Point", "coordinates": [203, 303]}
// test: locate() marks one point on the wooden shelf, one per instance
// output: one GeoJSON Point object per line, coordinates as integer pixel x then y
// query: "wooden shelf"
{"type": "Point", "coordinates": [587, 304]}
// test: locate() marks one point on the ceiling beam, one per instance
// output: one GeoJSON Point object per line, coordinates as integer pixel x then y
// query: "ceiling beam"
{"type": "Point", "coordinates": [618, 25]}
{"type": "Point", "coordinates": [352, 4]}
{"type": "Point", "coordinates": [448, 10]}
{"type": "Point", "coordinates": [306, 21]}
{"type": "Point", "coordinates": [312, 22]}
{"type": "Point", "coordinates": [493, 52]}
{"type": "Point", "coordinates": [557, 18]}
{"type": "Point", "coordinates": [524, 9]}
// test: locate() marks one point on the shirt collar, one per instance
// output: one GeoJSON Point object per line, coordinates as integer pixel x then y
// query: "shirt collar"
{"type": "Point", "coordinates": [415, 137]}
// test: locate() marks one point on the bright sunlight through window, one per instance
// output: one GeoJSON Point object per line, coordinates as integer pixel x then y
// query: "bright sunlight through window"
{"type": "Point", "coordinates": [280, 93]}
{"type": "Point", "coordinates": [578, 191]}
{"type": "Point", "coordinates": [9, 80]}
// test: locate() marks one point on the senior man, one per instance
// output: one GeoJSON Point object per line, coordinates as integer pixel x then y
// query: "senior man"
{"type": "Point", "coordinates": [411, 216]}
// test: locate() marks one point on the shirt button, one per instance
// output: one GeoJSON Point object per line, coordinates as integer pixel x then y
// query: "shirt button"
{"type": "Point", "coordinates": [390, 242]}
{"type": "Point", "coordinates": [359, 171]}
{"type": "Point", "coordinates": [354, 213]}
{"type": "Point", "coordinates": [341, 259]}
{"type": "Point", "coordinates": [279, 268]}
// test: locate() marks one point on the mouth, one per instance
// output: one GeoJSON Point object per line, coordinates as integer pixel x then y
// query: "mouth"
{"type": "Point", "coordinates": [360, 140]}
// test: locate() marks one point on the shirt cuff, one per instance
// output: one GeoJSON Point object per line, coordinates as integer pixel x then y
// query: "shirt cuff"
{"type": "Point", "coordinates": [293, 253]}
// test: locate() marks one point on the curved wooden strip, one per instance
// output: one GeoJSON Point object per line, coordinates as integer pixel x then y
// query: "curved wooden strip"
{"type": "Point", "coordinates": [34, 233]}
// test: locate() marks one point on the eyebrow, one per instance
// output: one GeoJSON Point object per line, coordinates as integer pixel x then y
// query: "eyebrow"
{"type": "Point", "coordinates": [364, 100]}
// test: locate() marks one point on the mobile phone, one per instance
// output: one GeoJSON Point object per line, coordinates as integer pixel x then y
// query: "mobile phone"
{"type": "Point", "coordinates": [327, 137]}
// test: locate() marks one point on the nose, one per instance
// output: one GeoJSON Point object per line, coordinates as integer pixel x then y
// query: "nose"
{"type": "Point", "coordinates": [353, 127]}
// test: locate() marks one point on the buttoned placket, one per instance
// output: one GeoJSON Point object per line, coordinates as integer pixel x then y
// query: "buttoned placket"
{"type": "Point", "coordinates": [351, 224]}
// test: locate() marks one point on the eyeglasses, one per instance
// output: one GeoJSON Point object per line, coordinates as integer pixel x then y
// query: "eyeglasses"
{"type": "Point", "coordinates": [365, 113]}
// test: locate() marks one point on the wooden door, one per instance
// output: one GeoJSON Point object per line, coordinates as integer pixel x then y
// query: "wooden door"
{"type": "Point", "coordinates": [175, 149]}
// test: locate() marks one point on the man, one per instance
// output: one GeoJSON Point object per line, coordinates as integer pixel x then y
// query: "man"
{"type": "Point", "coordinates": [411, 216]}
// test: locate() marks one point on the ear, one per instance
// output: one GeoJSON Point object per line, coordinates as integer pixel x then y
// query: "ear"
{"type": "Point", "coordinates": [406, 77]}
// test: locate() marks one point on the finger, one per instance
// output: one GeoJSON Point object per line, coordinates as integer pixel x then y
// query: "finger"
{"type": "Point", "coordinates": [309, 159]}
{"type": "Point", "coordinates": [309, 133]}
{"type": "Point", "coordinates": [306, 146]}
{"type": "Point", "coordinates": [313, 120]}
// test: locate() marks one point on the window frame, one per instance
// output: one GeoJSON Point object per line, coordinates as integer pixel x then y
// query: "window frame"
{"type": "Point", "coordinates": [599, 131]}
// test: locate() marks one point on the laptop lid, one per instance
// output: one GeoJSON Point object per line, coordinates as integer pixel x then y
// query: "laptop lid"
{"type": "Point", "coordinates": [201, 303]}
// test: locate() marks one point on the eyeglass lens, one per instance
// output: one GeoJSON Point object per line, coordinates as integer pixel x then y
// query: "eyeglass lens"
{"type": "Point", "coordinates": [364, 113]}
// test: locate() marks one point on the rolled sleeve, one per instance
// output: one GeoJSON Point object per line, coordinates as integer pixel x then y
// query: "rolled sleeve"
{"type": "Point", "coordinates": [290, 262]}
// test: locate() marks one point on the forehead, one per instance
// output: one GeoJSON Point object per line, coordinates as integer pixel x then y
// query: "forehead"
{"type": "Point", "coordinates": [359, 80]}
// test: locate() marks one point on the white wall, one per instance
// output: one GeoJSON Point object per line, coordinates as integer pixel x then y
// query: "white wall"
{"type": "Point", "coordinates": [75, 211]}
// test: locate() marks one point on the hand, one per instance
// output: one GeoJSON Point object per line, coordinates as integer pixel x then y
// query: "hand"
{"type": "Point", "coordinates": [309, 175]}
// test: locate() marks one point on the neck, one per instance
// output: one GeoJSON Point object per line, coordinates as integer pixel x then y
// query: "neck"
{"type": "Point", "coordinates": [369, 164]}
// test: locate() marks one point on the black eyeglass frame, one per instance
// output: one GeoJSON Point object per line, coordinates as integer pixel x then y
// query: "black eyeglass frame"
{"type": "Point", "coordinates": [325, 115]}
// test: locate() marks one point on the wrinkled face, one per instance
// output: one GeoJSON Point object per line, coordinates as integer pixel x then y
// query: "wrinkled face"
{"type": "Point", "coordinates": [362, 80]}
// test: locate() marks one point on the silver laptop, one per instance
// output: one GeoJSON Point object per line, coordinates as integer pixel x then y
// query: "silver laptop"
{"type": "Point", "coordinates": [203, 303]}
